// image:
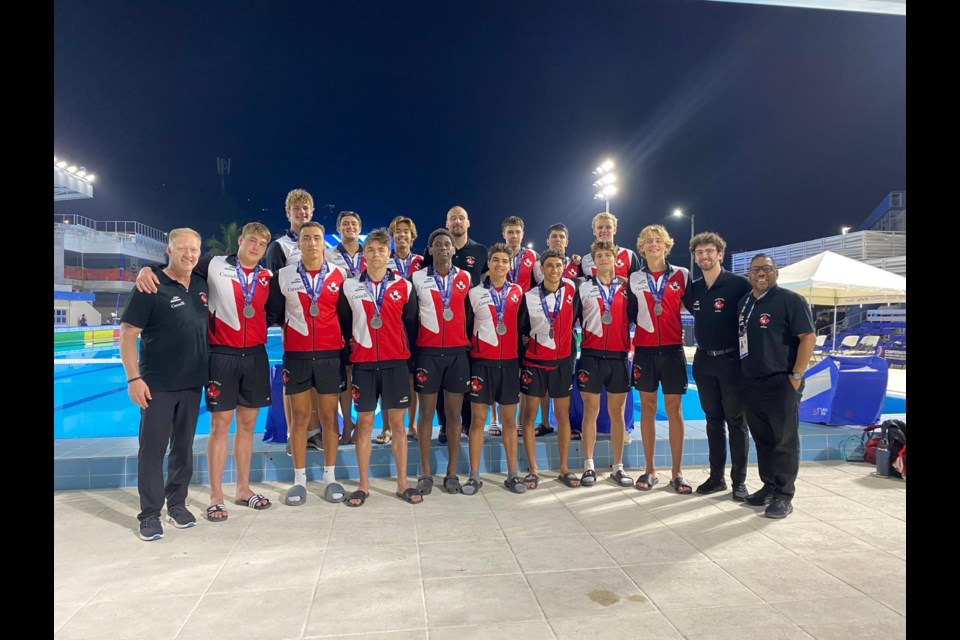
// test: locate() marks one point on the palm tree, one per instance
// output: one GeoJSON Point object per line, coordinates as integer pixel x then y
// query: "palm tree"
{"type": "Point", "coordinates": [226, 243]}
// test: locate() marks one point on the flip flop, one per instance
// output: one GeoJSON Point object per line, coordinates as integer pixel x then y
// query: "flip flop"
{"type": "Point", "coordinates": [384, 437]}
{"type": "Point", "coordinates": [296, 491]}
{"type": "Point", "coordinates": [568, 479]}
{"type": "Point", "coordinates": [357, 495]}
{"type": "Point", "coordinates": [543, 429]}
{"type": "Point", "coordinates": [333, 488]}
{"type": "Point", "coordinates": [621, 478]}
{"type": "Point", "coordinates": [473, 486]}
{"type": "Point", "coordinates": [589, 478]}
{"type": "Point", "coordinates": [409, 494]}
{"type": "Point", "coordinates": [452, 484]}
{"type": "Point", "coordinates": [254, 502]}
{"type": "Point", "coordinates": [531, 477]}
{"type": "Point", "coordinates": [217, 508]}
{"type": "Point", "coordinates": [515, 484]}
{"type": "Point", "coordinates": [648, 479]}
{"type": "Point", "coordinates": [425, 485]}
{"type": "Point", "coordinates": [576, 435]}
{"type": "Point", "coordinates": [412, 436]}
{"type": "Point", "coordinates": [679, 483]}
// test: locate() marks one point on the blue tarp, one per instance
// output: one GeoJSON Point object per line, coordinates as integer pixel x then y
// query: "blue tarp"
{"type": "Point", "coordinates": [845, 390]}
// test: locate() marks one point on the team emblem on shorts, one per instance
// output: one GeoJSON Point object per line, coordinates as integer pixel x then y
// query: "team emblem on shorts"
{"type": "Point", "coordinates": [526, 376]}
{"type": "Point", "coordinates": [718, 304]}
{"type": "Point", "coordinates": [213, 391]}
{"type": "Point", "coordinates": [764, 319]}
{"type": "Point", "coordinates": [355, 392]}
{"type": "Point", "coordinates": [636, 372]}
{"type": "Point", "coordinates": [583, 376]}
{"type": "Point", "coordinates": [476, 384]}
{"type": "Point", "coordinates": [421, 376]}
{"type": "Point", "coordinates": [286, 377]}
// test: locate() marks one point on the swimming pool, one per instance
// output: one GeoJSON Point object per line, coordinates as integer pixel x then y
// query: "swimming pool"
{"type": "Point", "coordinates": [90, 395]}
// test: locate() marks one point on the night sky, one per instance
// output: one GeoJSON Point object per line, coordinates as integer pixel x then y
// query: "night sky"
{"type": "Point", "coordinates": [772, 125]}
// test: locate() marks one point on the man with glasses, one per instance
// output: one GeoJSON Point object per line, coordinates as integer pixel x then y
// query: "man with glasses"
{"type": "Point", "coordinates": [776, 341]}
{"type": "Point", "coordinates": [712, 300]}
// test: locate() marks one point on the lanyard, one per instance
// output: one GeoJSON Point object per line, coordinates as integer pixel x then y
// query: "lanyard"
{"type": "Point", "coordinates": [515, 269]}
{"type": "Point", "coordinates": [445, 285]}
{"type": "Point", "coordinates": [556, 305]}
{"type": "Point", "coordinates": [378, 296]}
{"type": "Point", "coordinates": [607, 301]}
{"type": "Point", "coordinates": [499, 300]}
{"type": "Point", "coordinates": [402, 265]}
{"type": "Point", "coordinates": [312, 293]}
{"type": "Point", "coordinates": [245, 289]}
{"type": "Point", "coordinates": [354, 267]}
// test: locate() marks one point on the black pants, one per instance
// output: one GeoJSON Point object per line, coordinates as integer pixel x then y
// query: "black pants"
{"type": "Point", "coordinates": [718, 385]}
{"type": "Point", "coordinates": [171, 417]}
{"type": "Point", "coordinates": [773, 413]}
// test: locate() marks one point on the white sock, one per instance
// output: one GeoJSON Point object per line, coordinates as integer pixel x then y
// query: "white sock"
{"type": "Point", "coordinates": [312, 432]}
{"type": "Point", "coordinates": [618, 467]}
{"type": "Point", "coordinates": [329, 475]}
{"type": "Point", "coordinates": [300, 477]}
{"type": "Point", "coordinates": [588, 464]}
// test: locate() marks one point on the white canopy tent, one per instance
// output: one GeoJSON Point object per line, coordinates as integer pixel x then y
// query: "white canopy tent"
{"type": "Point", "coordinates": [831, 279]}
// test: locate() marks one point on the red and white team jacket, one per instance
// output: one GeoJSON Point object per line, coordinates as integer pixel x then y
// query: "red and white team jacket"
{"type": "Point", "coordinates": [485, 342]}
{"type": "Point", "coordinates": [436, 335]}
{"type": "Point", "coordinates": [521, 268]}
{"type": "Point", "coordinates": [653, 330]}
{"type": "Point", "coordinates": [228, 327]}
{"type": "Point", "coordinates": [604, 340]}
{"type": "Point", "coordinates": [390, 344]}
{"type": "Point", "coordinates": [413, 262]}
{"type": "Point", "coordinates": [626, 263]}
{"type": "Point", "coordinates": [289, 304]}
{"type": "Point", "coordinates": [542, 350]}
{"type": "Point", "coordinates": [334, 256]}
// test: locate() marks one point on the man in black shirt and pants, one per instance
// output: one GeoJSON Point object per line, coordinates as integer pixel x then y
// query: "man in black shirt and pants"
{"type": "Point", "coordinates": [166, 380]}
{"type": "Point", "coordinates": [776, 341]}
{"type": "Point", "coordinates": [712, 300]}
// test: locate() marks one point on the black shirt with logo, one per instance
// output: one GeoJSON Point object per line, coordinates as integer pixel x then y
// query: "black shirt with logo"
{"type": "Point", "coordinates": [173, 344]}
{"type": "Point", "coordinates": [715, 311]}
{"type": "Point", "coordinates": [471, 257]}
{"type": "Point", "coordinates": [773, 325]}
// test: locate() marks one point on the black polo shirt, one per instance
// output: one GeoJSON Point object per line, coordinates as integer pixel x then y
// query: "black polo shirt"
{"type": "Point", "coordinates": [715, 311]}
{"type": "Point", "coordinates": [774, 323]}
{"type": "Point", "coordinates": [173, 344]}
{"type": "Point", "coordinates": [471, 257]}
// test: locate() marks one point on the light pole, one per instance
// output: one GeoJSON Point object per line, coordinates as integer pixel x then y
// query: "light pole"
{"type": "Point", "coordinates": [606, 182]}
{"type": "Point", "coordinates": [680, 214]}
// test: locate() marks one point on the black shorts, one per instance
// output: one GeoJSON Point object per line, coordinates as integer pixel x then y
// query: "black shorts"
{"type": "Point", "coordinates": [304, 372]}
{"type": "Point", "coordinates": [556, 382]}
{"type": "Point", "coordinates": [595, 374]}
{"type": "Point", "coordinates": [664, 366]}
{"type": "Point", "coordinates": [449, 372]}
{"type": "Point", "coordinates": [391, 386]}
{"type": "Point", "coordinates": [490, 383]}
{"type": "Point", "coordinates": [241, 379]}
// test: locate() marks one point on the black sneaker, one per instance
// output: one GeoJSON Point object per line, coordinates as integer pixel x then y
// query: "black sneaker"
{"type": "Point", "coordinates": [760, 498]}
{"type": "Point", "coordinates": [315, 442]}
{"type": "Point", "coordinates": [151, 529]}
{"type": "Point", "coordinates": [442, 436]}
{"type": "Point", "coordinates": [779, 508]}
{"type": "Point", "coordinates": [180, 517]}
{"type": "Point", "coordinates": [712, 485]}
{"type": "Point", "coordinates": [739, 492]}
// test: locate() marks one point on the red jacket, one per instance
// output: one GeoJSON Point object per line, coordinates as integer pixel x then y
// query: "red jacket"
{"type": "Point", "coordinates": [542, 350]}
{"type": "Point", "coordinates": [390, 344]}
{"type": "Point", "coordinates": [228, 327]}
{"type": "Point", "coordinates": [416, 263]}
{"type": "Point", "coordinates": [289, 304]}
{"type": "Point", "coordinates": [653, 330]}
{"type": "Point", "coordinates": [436, 335]}
{"type": "Point", "coordinates": [485, 342]}
{"type": "Point", "coordinates": [604, 340]}
{"type": "Point", "coordinates": [626, 263]}
{"type": "Point", "coordinates": [521, 269]}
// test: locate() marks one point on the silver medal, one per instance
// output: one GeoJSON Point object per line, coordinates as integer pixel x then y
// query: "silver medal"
{"type": "Point", "coordinates": [314, 310]}
{"type": "Point", "coordinates": [657, 309]}
{"type": "Point", "coordinates": [606, 318]}
{"type": "Point", "coordinates": [550, 334]}
{"type": "Point", "coordinates": [248, 311]}
{"type": "Point", "coordinates": [376, 322]}
{"type": "Point", "coordinates": [501, 328]}
{"type": "Point", "coordinates": [448, 314]}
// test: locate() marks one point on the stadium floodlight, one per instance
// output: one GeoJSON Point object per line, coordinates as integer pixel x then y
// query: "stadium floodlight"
{"type": "Point", "coordinates": [606, 182]}
{"type": "Point", "coordinates": [680, 214]}
{"type": "Point", "coordinates": [845, 230]}
{"type": "Point", "coordinates": [62, 164]}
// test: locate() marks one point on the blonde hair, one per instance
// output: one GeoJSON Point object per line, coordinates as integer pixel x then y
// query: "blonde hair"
{"type": "Point", "coordinates": [659, 229]}
{"type": "Point", "coordinates": [603, 215]}
{"type": "Point", "coordinates": [175, 233]}
{"type": "Point", "coordinates": [256, 229]}
{"type": "Point", "coordinates": [298, 196]}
